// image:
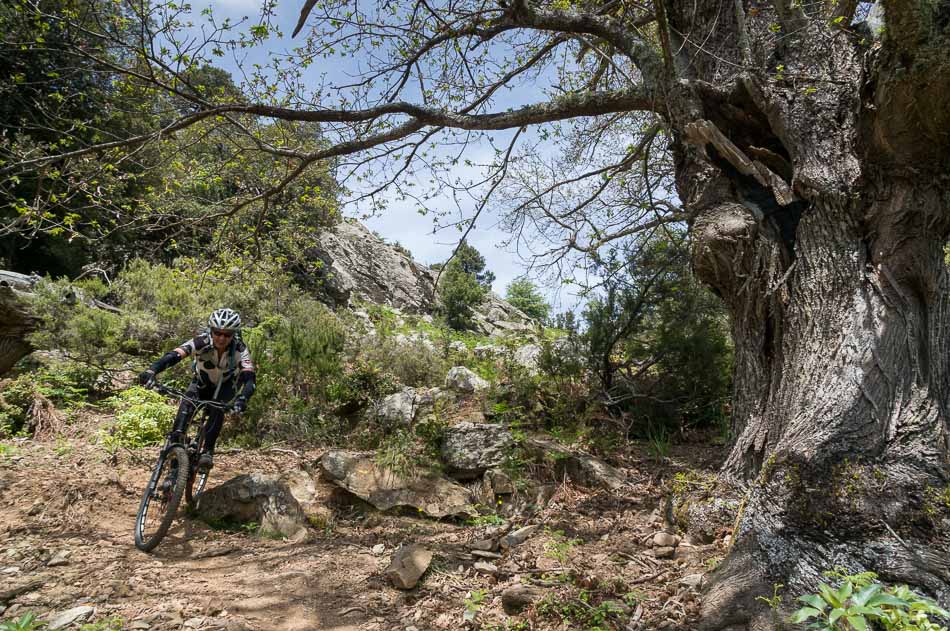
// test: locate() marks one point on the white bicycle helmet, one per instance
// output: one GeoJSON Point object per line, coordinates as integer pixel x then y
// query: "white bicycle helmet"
{"type": "Point", "coordinates": [224, 320]}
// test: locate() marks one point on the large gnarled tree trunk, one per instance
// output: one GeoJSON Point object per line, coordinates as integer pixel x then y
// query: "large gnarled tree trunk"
{"type": "Point", "coordinates": [817, 163]}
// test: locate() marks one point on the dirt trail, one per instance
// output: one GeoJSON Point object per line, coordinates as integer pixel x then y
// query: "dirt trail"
{"type": "Point", "coordinates": [66, 516]}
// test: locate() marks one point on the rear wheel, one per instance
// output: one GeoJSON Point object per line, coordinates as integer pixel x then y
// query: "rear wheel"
{"type": "Point", "coordinates": [161, 498]}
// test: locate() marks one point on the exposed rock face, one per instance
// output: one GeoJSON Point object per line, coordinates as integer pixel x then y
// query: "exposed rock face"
{"type": "Point", "coordinates": [355, 264]}
{"type": "Point", "coordinates": [358, 265]}
{"type": "Point", "coordinates": [360, 475]}
{"type": "Point", "coordinates": [470, 449]}
{"type": "Point", "coordinates": [254, 497]}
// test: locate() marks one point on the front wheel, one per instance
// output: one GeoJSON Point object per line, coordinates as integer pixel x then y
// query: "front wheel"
{"type": "Point", "coordinates": [196, 484]}
{"type": "Point", "coordinates": [161, 498]}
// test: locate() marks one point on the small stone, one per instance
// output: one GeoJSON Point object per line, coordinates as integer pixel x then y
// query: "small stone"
{"type": "Point", "coordinates": [139, 624]}
{"type": "Point", "coordinates": [70, 616]}
{"type": "Point", "coordinates": [408, 564]}
{"type": "Point", "coordinates": [485, 554]}
{"type": "Point", "coordinates": [486, 568]}
{"type": "Point", "coordinates": [664, 552]}
{"type": "Point", "coordinates": [10, 570]}
{"type": "Point", "coordinates": [378, 549]}
{"type": "Point", "coordinates": [665, 540]}
{"type": "Point", "coordinates": [59, 559]}
{"type": "Point", "coordinates": [193, 623]}
{"type": "Point", "coordinates": [518, 537]}
{"type": "Point", "coordinates": [483, 544]}
{"type": "Point", "coordinates": [693, 581]}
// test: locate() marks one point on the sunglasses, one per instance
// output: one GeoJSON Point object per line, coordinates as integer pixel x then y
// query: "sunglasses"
{"type": "Point", "coordinates": [220, 333]}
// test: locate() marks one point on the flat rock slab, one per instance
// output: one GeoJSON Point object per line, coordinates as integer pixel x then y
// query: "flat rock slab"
{"type": "Point", "coordinates": [359, 474]}
{"type": "Point", "coordinates": [71, 616]}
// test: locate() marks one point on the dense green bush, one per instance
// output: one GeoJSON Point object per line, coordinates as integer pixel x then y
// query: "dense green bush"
{"type": "Point", "coordinates": [298, 355]}
{"type": "Point", "coordinates": [142, 417]}
{"type": "Point", "coordinates": [158, 306]}
{"type": "Point", "coordinates": [658, 343]}
{"type": "Point", "coordinates": [359, 385]}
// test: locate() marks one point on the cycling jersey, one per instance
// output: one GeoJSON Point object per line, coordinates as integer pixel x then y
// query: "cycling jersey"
{"type": "Point", "coordinates": [213, 369]}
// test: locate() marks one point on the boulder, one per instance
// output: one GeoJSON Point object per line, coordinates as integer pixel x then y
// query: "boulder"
{"type": "Point", "coordinates": [305, 488]}
{"type": "Point", "coordinates": [581, 468]}
{"type": "Point", "coordinates": [402, 408]}
{"type": "Point", "coordinates": [705, 519]}
{"type": "Point", "coordinates": [407, 566]}
{"type": "Point", "coordinates": [469, 449]}
{"type": "Point", "coordinates": [359, 474]}
{"type": "Point", "coordinates": [499, 482]}
{"type": "Point", "coordinates": [527, 357]}
{"type": "Point", "coordinates": [665, 540]}
{"type": "Point", "coordinates": [254, 497]}
{"type": "Point", "coordinates": [461, 379]}
{"type": "Point", "coordinates": [397, 409]}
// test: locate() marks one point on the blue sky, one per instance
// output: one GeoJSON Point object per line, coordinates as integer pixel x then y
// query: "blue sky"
{"type": "Point", "coordinates": [401, 221]}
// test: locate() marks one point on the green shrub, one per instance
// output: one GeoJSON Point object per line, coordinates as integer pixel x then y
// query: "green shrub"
{"type": "Point", "coordinates": [27, 622]}
{"type": "Point", "coordinates": [143, 417]}
{"type": "Point", "coordinates": [412, 362]}
{"type": "Point", "coordinates": [16, 397]}
{"type": "Point", "coordinates": [360, 385]}
{"type": "Point", "coordinates": [861, 603]}
{"type": "Point", "coordinates": [397, 453]}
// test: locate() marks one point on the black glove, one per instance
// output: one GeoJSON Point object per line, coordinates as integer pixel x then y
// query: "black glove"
{"type": "Point", "coordinates": [147, 378]}
{"type": "Point", "coordinates": [240, 404]}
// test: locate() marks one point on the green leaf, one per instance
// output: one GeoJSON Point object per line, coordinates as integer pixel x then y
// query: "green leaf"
{"type": "Point", "coordinates": [830, 596]}
{"type": "Point", "coordinates": [845, 591]}
{"type": "Point", "coordinates": [804, 614]}
{"type": "Point", "coordinates": [858, 622]}
{"type": "Point", "coordinates": [835, 614]}
{"type": "Point", "coordinates": [863, 596]}
{"type": "Point", "coordinates": [813, 600]}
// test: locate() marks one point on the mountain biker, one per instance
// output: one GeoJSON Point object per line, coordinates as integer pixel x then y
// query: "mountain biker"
{"type": "Point", "coordinates": [222, 367]}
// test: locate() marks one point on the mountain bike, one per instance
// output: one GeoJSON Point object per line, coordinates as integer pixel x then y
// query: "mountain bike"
{"type": "Point", "coordinates": [175, 474]}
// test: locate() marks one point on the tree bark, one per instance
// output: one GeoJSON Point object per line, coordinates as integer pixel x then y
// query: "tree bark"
{"type": "Point", "coordinates": [821, 202]}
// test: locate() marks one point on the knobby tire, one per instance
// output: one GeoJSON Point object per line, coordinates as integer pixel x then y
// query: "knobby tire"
{"type": "Point", "coordinates": [168, 503]}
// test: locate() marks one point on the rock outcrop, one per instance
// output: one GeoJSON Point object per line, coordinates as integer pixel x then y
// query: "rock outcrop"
{"type": "Point", "coordinates": [353, 265]}
{"type": "Point", "coordinates": [358, 265]}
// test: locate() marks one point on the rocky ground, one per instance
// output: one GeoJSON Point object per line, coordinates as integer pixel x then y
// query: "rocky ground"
{"type": "Point", "coordinates": [596, 559]}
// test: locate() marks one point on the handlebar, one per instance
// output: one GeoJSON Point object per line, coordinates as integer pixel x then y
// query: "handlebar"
{"type": "Point", "coordinates": [163, 389]}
